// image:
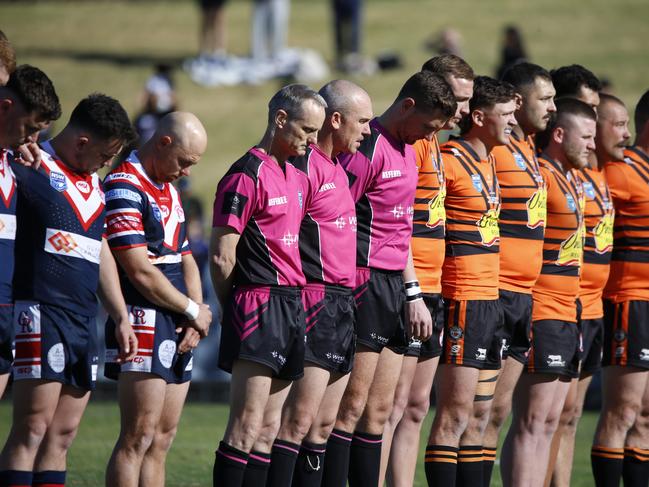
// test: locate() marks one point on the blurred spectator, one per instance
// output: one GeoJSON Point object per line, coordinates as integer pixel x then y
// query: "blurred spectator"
{"type": "Point", "coordinates": [447, 41]}
{"type": "Point", "coordinates": [213, 35]}
{"type": "Point", "coordinates": [159, 100]}
{"type": "Point", "coordinates": [607, 85]}
{"type": "Point", "coordinates": [7, 59]}
{"type": "Point", "coordinates": [347, 19]}
{"type": "Point", "coordinates": [513, 50]}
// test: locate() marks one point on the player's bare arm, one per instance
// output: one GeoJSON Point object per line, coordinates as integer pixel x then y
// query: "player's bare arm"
{"type": "Point", "coordinates": [420, 323]}
{"type": "Point", "coordinates": [223, 257]}
{"type": "Point", "coordinates": [155, 287]}
{"type": "Point", "coordinates": [110, 294]}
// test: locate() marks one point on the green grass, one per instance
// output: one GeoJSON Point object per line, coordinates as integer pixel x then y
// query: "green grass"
{"type": "Point", "coordinates": [201, 427]}
{"type": "Point", "coordinates": [110, 46]}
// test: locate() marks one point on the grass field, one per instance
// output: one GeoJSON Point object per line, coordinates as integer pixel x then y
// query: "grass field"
{"type": "Point", "coordinates": [191, 457]}
{"type": "Point", "coordinates": [110, 46]}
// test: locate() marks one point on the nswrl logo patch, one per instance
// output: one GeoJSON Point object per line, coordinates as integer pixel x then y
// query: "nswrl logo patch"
{"type": "Point", "coordinates": [234, 203]}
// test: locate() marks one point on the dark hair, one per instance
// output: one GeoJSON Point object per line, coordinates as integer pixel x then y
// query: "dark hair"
{"type": "Point", "coordinates": [641, 115]}
{"type": "Point", "coordinates": [449, 64]}
{"type": "Point", "coordinates": [291, 99]}
{"type": "Point", "coordinates": [431, 92]}
{"type": "Point", "coordinates": [523, 74]}
{"type": "Point", "coordinates": [566, 107]}
{"type": "Point", "coordinates": [7, 54]}
{"type": "Point", "coordinates": [568, 80]}
{"type": "Point", "coordinates": [487, 92]}
{"type": "Point", "coordinates": [35, 91]}
{"type": "Point", "coordinates": [104, 117]}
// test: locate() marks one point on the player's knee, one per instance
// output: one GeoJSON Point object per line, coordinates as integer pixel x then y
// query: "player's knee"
{"type": "Point", "coordinates": [32, 431]}
{"type": "Point", "coordinates": [64, 437]}
{"type": "Point", "coordinates": [351, 410]}
{"type": "Point", "coordinates": [377, 412]}
{"type": "Point", "coordinates": [139, 440]}
{"type": "Point", "coordinates": [454, 421]}
{"type": "Point", "coordinates": [163, 439]}
{"type": "Point", "coordinates": [626, 415]}
{"type": "Point", "coordinates": [296, 428]}
{"type": "Point", "coordinates": [498, 415]}
{"type": "Point", "coordinates": [534, 423]}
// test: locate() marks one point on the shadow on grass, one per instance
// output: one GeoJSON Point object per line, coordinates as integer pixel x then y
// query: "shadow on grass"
{"type": "Point", "coordinates": [117, 58]}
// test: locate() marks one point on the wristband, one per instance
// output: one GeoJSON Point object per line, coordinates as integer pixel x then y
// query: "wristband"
{"type": "Point", "coordinates": [192, 310]}
{"type": "Point", "coordinates": [415, 297]}
{"type": "Point", "coordinates": [409, 284]}
{"type": "Point", "coordinates": [413, 291]}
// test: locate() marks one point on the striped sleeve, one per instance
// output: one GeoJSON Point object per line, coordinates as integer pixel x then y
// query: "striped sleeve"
{"type": "Point", "coordinates": [234, 201]}
{"type": "Point", "coordinates": [125, 205]}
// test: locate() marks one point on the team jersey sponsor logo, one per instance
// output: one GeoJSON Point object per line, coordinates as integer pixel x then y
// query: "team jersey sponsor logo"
{"type": "Point", "coordinates": [589, 190]}
{"type": "Point", "coordinates": [488, 228]}
{"type": "Point", "coordinates": [180, 213]}
{"type": "Point", "coordinates": [603, 234]}
{"type": "Point", "coordinates": [157, 214]}
{"type": "Point", "coordinates": [281, 359]}
{"type": "Point", "coordinates": [520, 161]}
{"type": "Point", "coordinates": [436, 210]}
{"type": "Point", "coordinates": [56, 358]}
{"type": "Point", "coordinates": [327, 187]}
{"type": "Point", "coordinates": [537, 208]}
{"type": "Point", "coordinates": [289, 239]}
{"type": "Point", "coordinates": [278, 200]}
{"type": "Point", "coordinates": [83, 186]}
{"type": "Point", "coordinates": [456, 349]}
{"type": "Point", "coordinates": [398, 211]}
{"type": "Point", "coordinates": [477, 182]}
{"type": "Point", "coordinates": [644, 355]}
{"type": "Point", "coordinates": [58, 181]}
{"type": "Point", "coordinates": [7, 226]}
{"type": "Point", "coordinates": [570, 201]}
{"type": "Point", "coordinates": [481, 354]}
{"type": "Point", "coordinates": [164, 209]}
{"type": "Point", "coordinates": [123, 194]}
{"type": "Point", "coordinates": [299, 198]}
{"type": "Point", "coordinates": [391, 174]}
{"type": "Point", "coordinates": [556, 361]}
{"type": "Point", "coordinates": [571, 249]}
{"type": "Point", "coordinates": [234, 204]}
{"type": "Point", "coordinates": [71, 244]}
{"type": "Point", "coordinates": [335, 358]}
{"type": "Point", "coordinates": [166, 352]}
{"type": "Point", "coordinates": [379, 338]}
{"type": "Point", "coordinates": [122, 175]}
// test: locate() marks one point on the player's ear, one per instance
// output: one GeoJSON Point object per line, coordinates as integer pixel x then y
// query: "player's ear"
{"type": "Point", "coordinates": [558, 134]}
{"type": "Point", "coordinates": [336, 120]}
{"type": "Point", "coordinates": [281, 117]}
{"type": "Point", "coordinates": [519, 100]}
{"type": "Point", "coordinates": [6, 104]}
{"type": "Point", "coordinates": [407, 104]}
{"type": "Point", "coordinates": [165, 141]}
{"type": "Point", "coordinates": [82, 142]}
{"type": "Point", "coordinates": [477, 117]}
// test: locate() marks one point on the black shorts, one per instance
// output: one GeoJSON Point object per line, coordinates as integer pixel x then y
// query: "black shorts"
{"type": "Point", "coordinates": [517, 315]}
{"type": "Point", "coordinates": [6, 337]}
{"type": "Point", "coordinates": [265, 324]}
{"type": "Point", "coordinates": [380, 297]}
{"type": "Point", "coordinates": [626, 334]}
{"type": "Point", "coordinates": [592, 340]}
{"type": "Point", "coordinates": [471, 330]}
{"type": "Point", "coordinates": [157, 344]}
{"type": "Point", "coordinates": [555, 348]}
{"type": "Point", "coordinates": [432, 347]}
{"type": "Point", "coordinates": [330, 340]}
{"type": "Point", "coordinates": [55, 344]}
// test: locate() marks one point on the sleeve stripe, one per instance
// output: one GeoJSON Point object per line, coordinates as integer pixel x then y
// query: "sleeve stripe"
{"type": "Point", "coordinates": [123, 210]}
{"type": "Point", "coordinates": [122, 234]}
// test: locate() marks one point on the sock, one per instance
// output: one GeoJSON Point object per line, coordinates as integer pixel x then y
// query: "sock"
{"type": "Point", "coordinates": [337, 465]}
{"type": "Point", "coordinates": [15, 478]}
{"type": "Point", "coordinates": [282, 463]}
{"type": "Point", "coordinates": [469, 466]}
{"type": "Point", "coordinates": [310, 465]}
{"type": "Point", "coordinates": [607, 465]}
{"type": "Point", "coordinates": [364, 459]}
{"type": "Point", "coordinates": [229, 466]}
{"type": "Point", "coordinates": [49, 478]}
{"type": "Point", "coordinates": [488, 459]}
{"type": "Point", "coordinates": [257, 469]}
{"type": "Point", "coordinates": [440, 465]}
{"type": "Point", "coordinates": [635, 468]}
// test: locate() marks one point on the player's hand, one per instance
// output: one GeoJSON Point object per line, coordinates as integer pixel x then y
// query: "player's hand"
{"type": "Point", "coordinates": [127, 342]}
{"type": "Point", "coordinates": [418, 320]}
{"type": "Point", "coordinates": [203, 322]}
{"type": "Point", "coordinates": [29, 155]}
{"type": "Point", "coordinates": [190, 340]}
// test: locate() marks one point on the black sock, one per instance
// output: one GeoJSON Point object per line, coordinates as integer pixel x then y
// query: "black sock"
{"type": "Point", "coordinates": [469, 466]}
{"type": "Point", "coordinates": [15, 478]}
{"type": "Point", "coordinates": [49, 478]}
{"type": "Point", "coordinates": [257, 469]}
{"type": "Point", "coordinates": [282, 463]}
{"type": "Point", "coordinates": [229, 466]}
{"type": "Point", "coordinates": [488, 459]}
{"type": "Point", "coordinates": [310, 465]}
{"type": "Point", "coordinates": [607, 465]}
{"type": "Point", "coordinates": [365, 459]}
{"type": "Point", "coordinates": [337, 465]}
{"type": "Point", "coordinates": [635, 469]}
{"type": "Point", "coordinates": [440, 465]}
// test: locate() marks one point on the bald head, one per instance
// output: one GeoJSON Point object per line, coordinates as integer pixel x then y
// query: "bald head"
{"type": "Point", "coordinates": [184, 129]}
{"type": "Point", "coordinates": [342, 96]}
{"type": "Point", "coordinates": [177, 144]}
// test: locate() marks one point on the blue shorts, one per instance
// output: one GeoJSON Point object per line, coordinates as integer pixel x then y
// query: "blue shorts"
{"type": "Point", "coordinates": [6, 337]}
{"type": "Point", "coordinates": [55, 344]}
{"type": "Point", "coordinates": [157, 347]}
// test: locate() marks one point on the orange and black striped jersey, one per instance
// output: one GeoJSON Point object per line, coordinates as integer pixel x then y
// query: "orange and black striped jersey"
{"type": "Point", "coordinates": [429, 220]}
{"type": "Point", "coordinates": [629, 184]}
{"type": "Point", "coordinates": [470, 270]}
{"type": "Point", "coordinates": [598, 245]}
{"type": "Point", "coordinates": [555, 292]}
{"type": "Point", "coordinates": [523, 214]}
